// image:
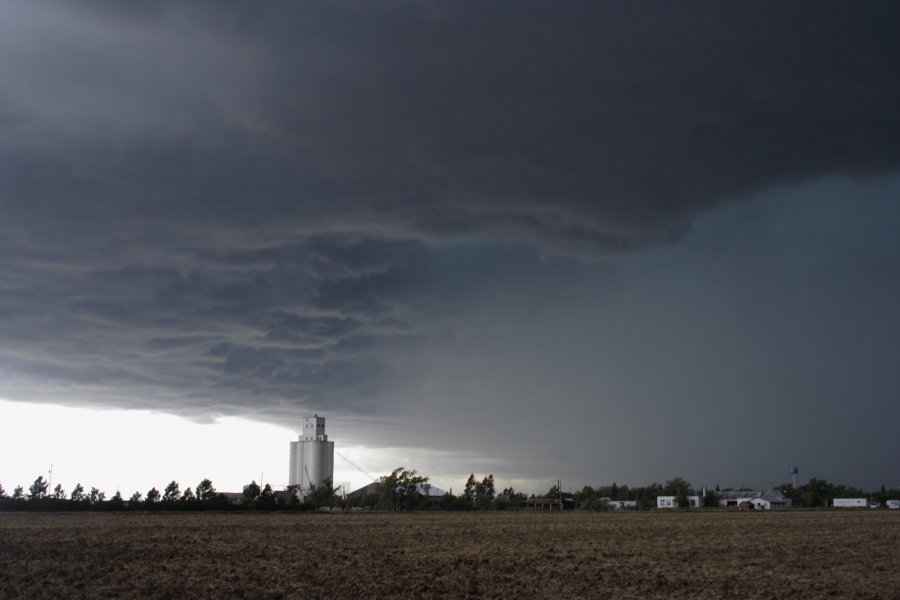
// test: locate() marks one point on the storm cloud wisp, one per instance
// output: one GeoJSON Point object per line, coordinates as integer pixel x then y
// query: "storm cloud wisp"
{"type": "Point", "coordinates": [336, 206]}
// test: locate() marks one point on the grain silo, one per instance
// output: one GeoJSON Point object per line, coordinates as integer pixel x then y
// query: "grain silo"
{"type": "Point", "coordinates": [312, 456]}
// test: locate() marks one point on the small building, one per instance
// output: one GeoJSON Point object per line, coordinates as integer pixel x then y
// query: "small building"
{"type": "Point", "coordinates": [233, 497]}
{"type": "Point", "coordinates": [758, 500]}
{"type": "Point", "coordinates": [427, 490]}
{"type": "Point", "coordinates": [621, 504]}
{"type": "Point", "coordinates": [550, 503]}
{"type": "Point", "coordinates": [671, 502]}
{"type": "Point", "coordinates": [893, 504]}
{"type": "Point", "coordinates": [849, 503]}
{"type": "Point", "coordinates": [754, 504]}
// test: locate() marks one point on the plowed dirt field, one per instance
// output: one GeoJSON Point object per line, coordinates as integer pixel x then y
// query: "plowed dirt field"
{"type": "Point", "coordinates": [852, 554]}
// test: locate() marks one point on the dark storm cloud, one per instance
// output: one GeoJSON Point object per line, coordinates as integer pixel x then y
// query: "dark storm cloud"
{"type": "Point", "coordinates": [212, 206]}
{"type": "Point", "coordinates": [588, 127]}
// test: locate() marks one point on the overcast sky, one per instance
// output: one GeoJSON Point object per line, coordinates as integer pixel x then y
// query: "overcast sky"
{"type": "Point", "coordinates": [587, 241]}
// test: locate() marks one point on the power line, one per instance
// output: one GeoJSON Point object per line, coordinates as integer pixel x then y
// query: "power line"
{"type": "Point", "coordinates": [354, 465]}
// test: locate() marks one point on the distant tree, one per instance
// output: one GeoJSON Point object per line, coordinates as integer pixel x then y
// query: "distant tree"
{"type": "Point", "coordinates": [117, 502]}
{"type": "Point", "coordinates": [484, 492]}
{"type": "Point", "coordinates": [77, 494]}
{"type": "Point", "coordinates": [188, 496]}
{"type": "Point", "coordinates": [58, 492]}
{"type": "Point", "coordinates": [2, 491]}
{"type": "Point", "coordinates": [172, 492]}
{"type": "Point", "coordinates": [205, 490]}
{"type": "Point", "coordinates": [817, 492]}
{"type": "Point", "coordinates": [152, 496]}
{"type": "Point", "coordinates": [401, 489]}
{"type": "Point", "coordinates": [881, 495]}
{"type": "Point", "coordinates": [710, 499]}
{"type": "Point", "coordinates": [320, 495]}
{"type": "Point", "coordinates": [586, 497]}
{"type": "Point", "coordinates": [646, 495]}
{"type": "Point", "coordinates": [135, 498]}
{"type": "Point", "coordinates": [677, 487]}
{"type": "Point", "coordinates": [251, 493]}
{"type": "Point", "coordinates": [18, 493]}
{"type": "Point", "coordinates": [553, 492]}
{"type": "Point", "coordinates": [295, 494]}
{"type": "Point", "coordinates": [471, 489]}
{"type": "Point", "coordinates": [38, 489]}
{"type": "Point", "coordinates": [267, 497]}
{"type": "Point", "coordinates": [614, 492]}
{"type": "Point", "coordinates": [509, 498]}
{"type": "Point", "coordinates": [487, 486]}
{"type": "Point", "coordinates": [452, 502]}
{"type": "Point", "coordinates": [96, 496]}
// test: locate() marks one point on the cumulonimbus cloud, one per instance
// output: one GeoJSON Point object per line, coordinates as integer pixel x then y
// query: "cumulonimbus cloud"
{"type": "Point", "coordinates": [204, 203]}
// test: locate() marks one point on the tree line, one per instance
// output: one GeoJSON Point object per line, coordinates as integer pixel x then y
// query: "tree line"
{"type": "Point", "coordinates": [402, 490]}
{"type": "Point", "coordinates": [395, 492]}
{"type": "Point", "coordinates": [203, 496]}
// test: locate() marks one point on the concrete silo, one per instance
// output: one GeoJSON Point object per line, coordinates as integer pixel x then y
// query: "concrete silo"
{"type": "Point", "coordinates": [312, 456]}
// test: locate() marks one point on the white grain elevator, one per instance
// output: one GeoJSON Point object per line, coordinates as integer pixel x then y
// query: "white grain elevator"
{"type": "Point", "coordinates": [312, 456]}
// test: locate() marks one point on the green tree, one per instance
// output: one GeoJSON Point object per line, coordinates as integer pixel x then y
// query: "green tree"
{"type": "Point", "coordinates": [205, 491]}
{"type": "Point", "coordinates": [711, 499]}
{"type": "Point", "coordinates": [553, 492]}
{"type": "Point", "coordinates": [471, 489]}
{"type": "Point", "coordinates": [117, 502]}
{"type": "Point", "coordinates": [485, 493]}
{"type": "Point", "coordinates": [152, 496]}
{"type": "Point", "coordinates": [267, 497]}
{"type": "Point", "coordinates": [77, 494]}
{"type": "Point", "coordinates": [18, 493]}
{"type": "Point", "coordinates": [135, 499]}
{"type": "Point", "coordinates": [38, 489]}
{"type": "Point", "coordinates": [295, 493]}
{"type": "Point", "coordinates": [172, 492]}
{"type": "Point", "coordinates": [2, 491]}
{"type": "Point", "coordinates": [188, 496]}
{"type": "Point", "coordinates": [401, 489]}
{"type": "Point", "coordinates": [58, 492]}
{"type": "Point", "coordinates": [677, 487]}
{"type": "Point", "coordinates": [817, 492]}
{"type": "Point", "coordinates": [251, 493]}
{"type": "Point", "coordinates": [96, 496]}
{"type": "Point", "coordinates": [320, 495]}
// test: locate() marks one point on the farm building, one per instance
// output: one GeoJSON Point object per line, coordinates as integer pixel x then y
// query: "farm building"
{"type": "Point", "coordinates": [233, 497]}
{"type": "Point", "coordinates": [758, 500]}
{"type": "Point", "coordinates": [427, 490]}
{"type": "Point", "coordinates": [550, 503]}
{"type": "Point", "coordinates": [849, 503]}
{"type": "Point", "coordinates": [671, 502]}
{"type": "Point", "coordinates": [620, 504]}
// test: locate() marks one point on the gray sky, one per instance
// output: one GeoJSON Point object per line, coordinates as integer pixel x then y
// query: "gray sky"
{"type": "Point", "coordinates": [598, 241]}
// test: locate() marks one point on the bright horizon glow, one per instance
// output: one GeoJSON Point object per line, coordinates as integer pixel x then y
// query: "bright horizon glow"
{"type": "Point", "coordinates": [135, 450]}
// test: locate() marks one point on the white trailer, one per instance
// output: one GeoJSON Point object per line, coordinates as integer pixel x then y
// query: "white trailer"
{"type": "Point", "coordinates": [850, 503]}
{"type": "Point", "coordinates": [893, 504]}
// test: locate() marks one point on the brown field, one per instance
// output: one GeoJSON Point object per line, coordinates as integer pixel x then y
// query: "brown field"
{"type": "Point", "coordinates": [852, 554]}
